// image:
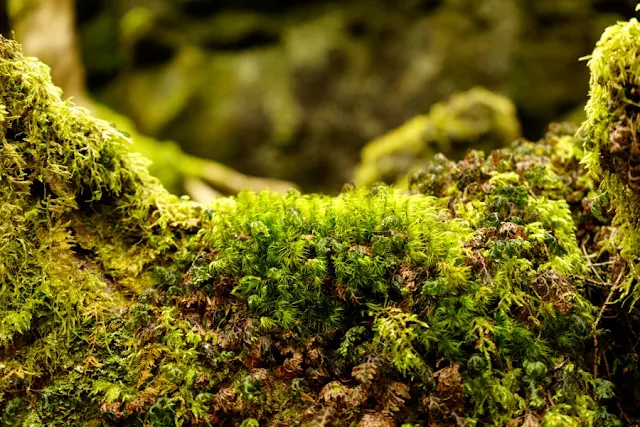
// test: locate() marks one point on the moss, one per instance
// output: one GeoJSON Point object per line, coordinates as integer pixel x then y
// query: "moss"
{"type": "Point", "coordinates": [56, 161]}
{"type": "Point", "coordinates": [610, 136]}
{"type": "Point", "coordinates": [477, 118]}
{"type": "Point", "coordinates": [180, 172]}
{"type": "Point", "coordinates": [123, 305]}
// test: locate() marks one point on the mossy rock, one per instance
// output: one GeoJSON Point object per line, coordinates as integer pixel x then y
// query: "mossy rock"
{"type": "Point", "coordinates": [476, 299]}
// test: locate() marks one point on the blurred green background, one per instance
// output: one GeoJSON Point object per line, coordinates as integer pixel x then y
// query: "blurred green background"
{"type": "Point", "coordinates": [293, 91]}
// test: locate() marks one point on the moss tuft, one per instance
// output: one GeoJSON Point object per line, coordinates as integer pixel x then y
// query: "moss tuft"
{"type": "Point", "coordinates": [612, 150]}
{"type": "Point", "coordinates": [477, 118]}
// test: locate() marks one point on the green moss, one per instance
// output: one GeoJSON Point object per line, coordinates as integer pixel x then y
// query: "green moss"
{"type": "Point", "coordinates": [56, 161]}
{"type": "Point", "coordinates": [123, 305]}
{"type": "Point", "coordinates": [611, 145]}
{"type": "Point", "coordinates": [477, 118]}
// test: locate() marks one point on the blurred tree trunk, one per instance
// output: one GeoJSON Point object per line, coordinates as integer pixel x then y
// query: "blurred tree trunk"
{"type": "Point", "coordinates": [46, 29]}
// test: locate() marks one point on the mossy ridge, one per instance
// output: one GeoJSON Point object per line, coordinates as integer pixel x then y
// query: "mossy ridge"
{"type": "Point", "coordinates": [372, 307]}
{"type": "Point", "coordinates": [59, 167]}
{"type": "Point", "coordinates": [611, 154]}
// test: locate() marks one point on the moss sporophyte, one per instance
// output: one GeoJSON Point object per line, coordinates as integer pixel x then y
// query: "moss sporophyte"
{"type": "Point", "coordinates": [498, 290]}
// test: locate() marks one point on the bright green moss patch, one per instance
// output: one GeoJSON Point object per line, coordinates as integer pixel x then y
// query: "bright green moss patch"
{"type": "Point", "coordinates": [64, 177]}
{"type": "Point", "coordinates": [469, 301]}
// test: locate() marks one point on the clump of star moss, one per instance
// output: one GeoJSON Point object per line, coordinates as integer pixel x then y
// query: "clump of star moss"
{"type": "Point", "coordinates": [497, 191]}
{"type": "Point", "coordinates": [123, 305]}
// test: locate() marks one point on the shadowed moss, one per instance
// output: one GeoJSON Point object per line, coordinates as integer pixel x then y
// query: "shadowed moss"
{"type": "Point", "coordinates": [477, 118]}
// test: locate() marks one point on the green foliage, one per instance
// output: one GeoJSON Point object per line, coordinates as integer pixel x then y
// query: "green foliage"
{"type": "Point", "coordinates": [123, 305]}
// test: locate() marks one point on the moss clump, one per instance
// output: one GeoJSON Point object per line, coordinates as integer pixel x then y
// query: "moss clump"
{"type": "Point", "coordinates": [55, 159]}
{"type": "Point", "coordinates": [612, 150]}
{"type": "Point", "coordinates": [477, 118]}
{"type": "Point", "coordinates": [69, 189]}
{"type": "Point", "coordinates": [123, 305]}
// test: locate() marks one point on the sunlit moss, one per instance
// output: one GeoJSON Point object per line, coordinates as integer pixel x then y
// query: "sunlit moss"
{"type": "Point", "coordinates": [467, 300]}
{"type": "Point", "coordinates": [611, 141]}
{"type": "Point", "coordinates": [56, 162]}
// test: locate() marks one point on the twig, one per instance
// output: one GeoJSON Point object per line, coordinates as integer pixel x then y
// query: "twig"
{"type": "Point", "coordinates": [227, 180]}
{"type": "Point", "coordinates": [588, 281]}
{"type": "Point", "coordinates": [591, 265]}
{"type": "Point", "coordinates": [612, 291]}
{"type": "Point", "coordinates": [599, 264]}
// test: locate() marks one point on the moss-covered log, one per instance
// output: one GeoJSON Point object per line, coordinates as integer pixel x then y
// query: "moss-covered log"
{"type": "Point", "coordinates": [475, 300]}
